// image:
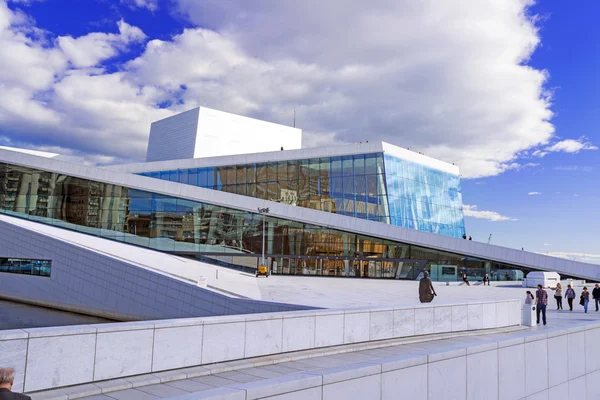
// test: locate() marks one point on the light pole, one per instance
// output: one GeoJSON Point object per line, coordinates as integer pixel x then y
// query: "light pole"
{"type": "Point", "coordinates": [263, 211]}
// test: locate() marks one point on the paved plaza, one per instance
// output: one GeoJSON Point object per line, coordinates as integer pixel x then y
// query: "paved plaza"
{"type": "Point", "coordinates": [353, 292]}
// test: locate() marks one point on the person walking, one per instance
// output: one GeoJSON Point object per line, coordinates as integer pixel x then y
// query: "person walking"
{"type": "Point", "coordinates": [470, 238]}
{"type": "Point", "coordinates": [465, 236]}
{"type": "Point", "coordinates": [426, 290]}
{"type": "Point", "coordinates": [541, 301]}
{"type": "Point", "coordinates": [486, 278]}
{"type": "Point", "coordinates": [596, 295]}
{"type": "Point", "coordinates": [570, 295]}
{"type": "Point", "coordinates": [7, 378]}
{"type": "Point", "coordinates": [465, 279]}
{"type": "Point", "coordinates": [585, 299]}
{"type": "Point", "coordinates": [558, 296]}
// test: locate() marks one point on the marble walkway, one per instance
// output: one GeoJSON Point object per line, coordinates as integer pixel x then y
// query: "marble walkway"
{"type": "Point", "coordinates": [221, 377]}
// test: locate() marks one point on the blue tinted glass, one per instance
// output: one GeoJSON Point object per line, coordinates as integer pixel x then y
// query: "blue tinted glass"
{"type": "Point", "coordinates": [423, 198]}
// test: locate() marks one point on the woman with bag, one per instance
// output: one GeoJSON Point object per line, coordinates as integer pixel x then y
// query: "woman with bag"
{"type": "Point", "coordinates": [585, 298]}
{"type": "Point", "coordinates": [558, 296]}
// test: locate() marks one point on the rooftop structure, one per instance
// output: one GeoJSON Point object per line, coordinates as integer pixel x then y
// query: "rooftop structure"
{"type": "Point", "coordinates": [203, 132]}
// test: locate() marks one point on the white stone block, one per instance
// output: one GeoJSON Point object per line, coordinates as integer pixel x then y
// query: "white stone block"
{"type": "Point", "coordinates": [382, 325]}
{"type": "Point", "coordinates": [475, 316]}
{"type": "Point", "coordinates": [502, 314]}
{"type": "Point", "coordinates": [511, 372]}
{"type": "Point", "coordinates": [368, 387]}
{"type": "Point", "coordinates": [578, 388]}
{"type": "Point", "coordinates": [298, 333]}
{"type": "Point", "coordinates": [123, 353]}
{"type": "Point", "coordinates": [441, 373]}
{"type": "Point", "coordinates": [423, 320]}
{"type": "Point", "coordinates": [223, 342]}
{"type": "Point", "coordinates": [592, 382]}
{"type": "Point", "coordinates": [558, 354]}
{"type": "Point", "coordinates": [329, 329]}
{"type": "Point", "coordinates": [536, 372]}
{"type": "Point", "coordinates": [442, 319]}
{"type": "Point", "coordinates": [576, 361]}
{"type": "Point", "coordinates": [13, 354]}
{"type": "Point", "coordinates": [306, 394]}
{"type": "Point", "coordinates": [543, 395]}
{"type": "Point", "coordinates": [356, 326]}
{"type": "Point", "coordinates": [515, 312]}
{"type": "Point", "coordinates": [263, 337]}
{"type": "Point", "coordinates": [560, 392]}
{"type": "Point", "coordinates": [177, 347]}
{"type": "Point", "coordinates": [404, 322]}
{"type": "Point", "coordinates": [408, 383]}
{"type": "Point", "coordinates": [459, 318]}
{"type": "Point", "coordinates": [482, 376]}
{"type": "Point", "coordinates": [60, 361]}
{"type": "Point", "coordinates": [489, 315]}
{"type": "Point", "coordinates": [592, 350]}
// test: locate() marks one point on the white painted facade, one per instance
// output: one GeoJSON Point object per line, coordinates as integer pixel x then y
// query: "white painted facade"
{"type": "Point", "coordinates": [204, 132]}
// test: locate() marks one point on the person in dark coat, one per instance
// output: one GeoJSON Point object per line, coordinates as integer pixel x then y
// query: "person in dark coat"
{"type": "Point", "coordinates": [486, 279]}
{"type": "Point", "coordinates": [426, 290]}
{"type": "Point", "coordinates": [465, 279]}
{"type": "Point", "coordinates": [570, 295]}
{"type": "Point", "coordinates": [596, 295]}
{"type": "Point", "coordinates": [7, 378]}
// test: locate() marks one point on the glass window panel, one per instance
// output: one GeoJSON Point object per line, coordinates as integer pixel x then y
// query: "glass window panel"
{"type": "Point", "coordinates": [282, 171]}
{"type": "Point", "coordinates": [293, 170]}
{"type": "Point", "coordinates": [183, 176]}
{"type": "Point", "coordinates": [241, 174]}
{"type": "Point", "coordinates": [261, 174]}
{"type": "Point", "coordinates": [231, 176]}
{"type": "Point", "coordinates": [174, 176]}
{"type": "Point", "coordinates": [359, 164]}
{"type": "Point", "coordinates": [272, 172]}
{"type": "Point", "coordinates": [371, 164]}
{"type": "Point", "coordinates": [347, 166]}
{"type": "Point", "coordinates": [251, 173]}
{"type": "Point", "coordinates": [336, 166]}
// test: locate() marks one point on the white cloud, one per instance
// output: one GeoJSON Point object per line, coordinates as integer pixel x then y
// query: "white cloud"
{"type": "Point", "coordinates": [151, 5]}
{"type": "Point", "coordinates": [571, 146]}
{"type": "Point", "coordinates": [426, 75]}
{"type": "Point", "coordinates": [91, 49]}
{"type": "Point", "coordinates": [472, 211]}
{"type": "Point", "coordinates": [583, 257]}
{"type": "Point", "coordinates": [547, 244]}
{"type": "Point", "coordinates": [533, 193]}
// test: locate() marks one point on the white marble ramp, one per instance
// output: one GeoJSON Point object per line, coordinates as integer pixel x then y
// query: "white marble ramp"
{"type": "Point", "coordinates": [492, 364]}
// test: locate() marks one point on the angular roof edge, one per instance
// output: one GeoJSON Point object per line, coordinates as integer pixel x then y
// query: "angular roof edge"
{"type": "Point", "coordinates": [289, 155]}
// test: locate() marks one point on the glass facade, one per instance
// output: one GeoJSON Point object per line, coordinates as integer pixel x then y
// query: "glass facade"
{"type": "Point", "coordinates": [350, 185]}
{"type": "Point", "coordinates": [25, 266]}
{"type": "Point", "coordinates": [367, 186]}
{"type": "Point", "coordinates": [423, 198]}
{"type": "Point", "coordinates": [231, 236]}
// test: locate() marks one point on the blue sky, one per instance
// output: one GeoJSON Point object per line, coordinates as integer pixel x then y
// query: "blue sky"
{"type": "Point", "coordinates": [507, 90]}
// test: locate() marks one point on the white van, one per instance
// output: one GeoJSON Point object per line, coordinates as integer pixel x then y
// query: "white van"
{"type": "Point", "coordinates": [546, 279]}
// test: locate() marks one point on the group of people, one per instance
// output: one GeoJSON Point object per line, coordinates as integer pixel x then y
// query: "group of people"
{"type": "Point", "coordinates": [465, 237]}
{"type": "Point", "coordinates": [541, 299]}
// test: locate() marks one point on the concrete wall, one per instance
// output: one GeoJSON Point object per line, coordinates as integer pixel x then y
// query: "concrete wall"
{"type": "Point", "coordinates": [62, 356]}
{"type": "Point", "coordinates": [90, 282]}
{"type": "Point", "coordinates": [559, 365]}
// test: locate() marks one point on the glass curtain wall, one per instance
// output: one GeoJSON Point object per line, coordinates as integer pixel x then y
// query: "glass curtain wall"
{"type": "Point", "coordinates": [424, 198]}
{"type": "Point", "coordinates": [351, 185]}
{"type": "Point", "coordinates": [195, 228]}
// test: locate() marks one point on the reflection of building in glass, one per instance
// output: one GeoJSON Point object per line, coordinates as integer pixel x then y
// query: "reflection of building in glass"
{"type": "Point", "coordinates": [362, 210]}
{"type": "Point", "coordinates": [374, 186]}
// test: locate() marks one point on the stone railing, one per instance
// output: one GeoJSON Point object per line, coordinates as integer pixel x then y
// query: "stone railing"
{"type": "Point", "coordinates": [61, 356]}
